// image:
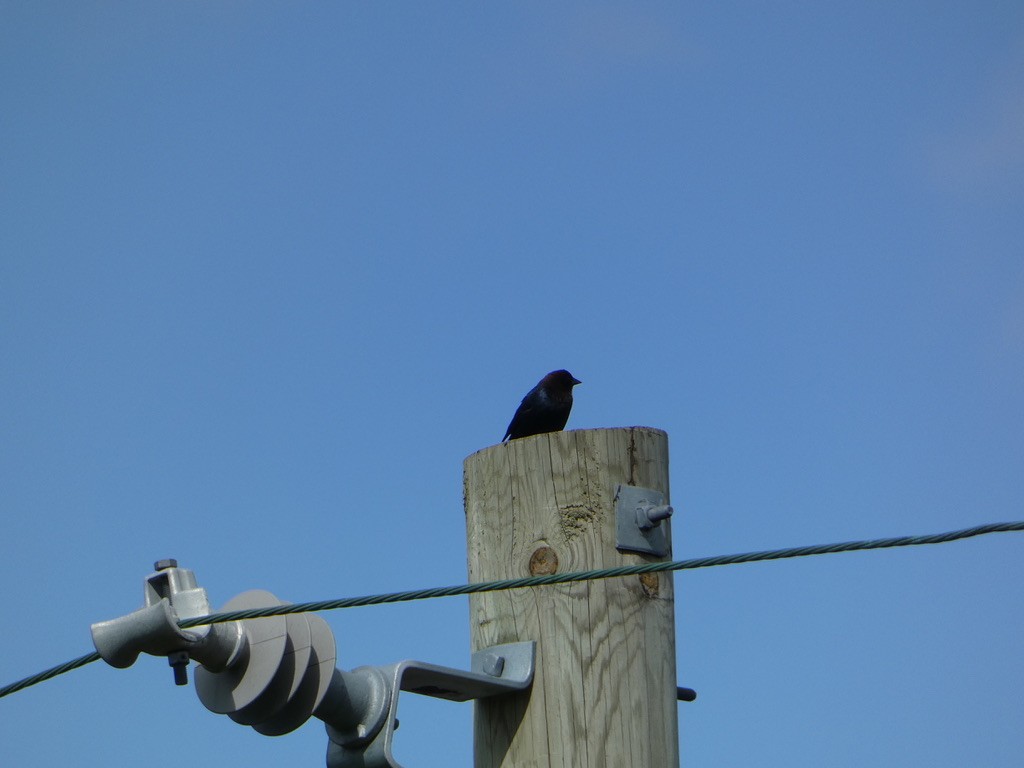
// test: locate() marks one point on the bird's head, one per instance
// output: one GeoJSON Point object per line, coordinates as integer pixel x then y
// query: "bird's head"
{"type": "Point", "coordinates": [561, 380]}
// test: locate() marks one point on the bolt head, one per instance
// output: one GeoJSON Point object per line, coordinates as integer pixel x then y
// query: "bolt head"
{"type": "Point", "coordinates": [494, 664]}
{"type": "Point", "coordinates": [163, 565]}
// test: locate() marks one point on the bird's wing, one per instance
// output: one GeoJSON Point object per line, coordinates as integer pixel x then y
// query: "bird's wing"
{"type": "Point", "coordinates": [523, 413]}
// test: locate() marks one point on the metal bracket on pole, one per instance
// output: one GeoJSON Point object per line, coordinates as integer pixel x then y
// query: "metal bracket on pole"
{"type": "Point", "coordinates": [274, 673]}
{"type": "Point", "coordinates": [494, 671]}
{"type": "Point", "coordinates": [638, 516]}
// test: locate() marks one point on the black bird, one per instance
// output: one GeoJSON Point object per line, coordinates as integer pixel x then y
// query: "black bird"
{"type": "Point", "coordinates": [545, 408]}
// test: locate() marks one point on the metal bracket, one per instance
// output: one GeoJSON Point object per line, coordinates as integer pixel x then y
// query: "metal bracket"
{"type": "Point", "coordinates": [638, 516]}
{"type": "Point", "coordinates": [496, 670]}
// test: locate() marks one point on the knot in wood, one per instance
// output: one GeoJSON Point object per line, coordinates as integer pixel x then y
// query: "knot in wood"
{"type": "Point", "coordinates": [543, 562]}
{"type": "Point", "coordinates": [649, 584]}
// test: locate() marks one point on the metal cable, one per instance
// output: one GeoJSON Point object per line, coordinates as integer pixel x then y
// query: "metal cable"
{"type": "Point", "coordinates": [605, 573]}
{"type": "Point", "coordinates": [536, 581]}
{"type": "Point", "coordinates": [60, 669]}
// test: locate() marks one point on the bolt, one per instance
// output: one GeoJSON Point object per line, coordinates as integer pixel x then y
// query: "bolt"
{"type": "Point", "coordinates": [494, 664]}
{"type": "Point", "coordinates": [163, 565]}
{"type": "Point", "coordinates": [179, 663]}
{"type": "Point", "coordinates": [648, 516]}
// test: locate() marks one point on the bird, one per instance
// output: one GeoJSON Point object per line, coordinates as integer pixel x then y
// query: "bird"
{"type": "Point", "coordinates": [545, 408]}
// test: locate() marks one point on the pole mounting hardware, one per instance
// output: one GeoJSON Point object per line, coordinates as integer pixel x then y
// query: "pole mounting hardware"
{"type": "Point", "coordinates": [639, 513]}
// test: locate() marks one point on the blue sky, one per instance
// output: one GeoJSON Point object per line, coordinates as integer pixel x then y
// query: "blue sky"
{"type": "Point", "coordinates": [270, 271]}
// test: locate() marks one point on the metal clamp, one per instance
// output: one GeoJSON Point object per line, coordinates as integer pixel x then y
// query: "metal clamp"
{"type": "Point", "coordinates": [171, 594]}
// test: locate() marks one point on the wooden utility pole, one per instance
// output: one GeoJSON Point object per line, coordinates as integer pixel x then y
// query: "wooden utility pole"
{"type": "Point", "coordinates": [605, 687]}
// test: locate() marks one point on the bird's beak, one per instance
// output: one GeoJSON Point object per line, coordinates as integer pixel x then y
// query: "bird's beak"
{"type": "Point", "coordinates": [576, 381]}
